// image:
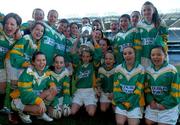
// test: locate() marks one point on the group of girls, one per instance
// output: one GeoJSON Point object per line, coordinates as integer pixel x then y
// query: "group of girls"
{"type": "Point", "coordinates": [127, 70]}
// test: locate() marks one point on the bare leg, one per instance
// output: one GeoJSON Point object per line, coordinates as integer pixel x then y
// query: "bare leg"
{"type": "Point", "coordinates": [33, 110]}
{"type": "Point", "coordinates": [91, 109]}
{"type": "Point", "coordinates": [2, 87]}
{"type": "Point", "coordinates": [120, 119]}
{"type": "Point", "coordinates": [133, 121]}
{"type": "Point", "coordinates": [149, 122]}
{"type": "Point", "coordinates": [75, 108]}
{"type": "Point", "coordinates": [104, 106]}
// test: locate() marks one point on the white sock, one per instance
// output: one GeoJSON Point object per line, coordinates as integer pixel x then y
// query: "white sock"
{"type": "Point", "coordinates": [19, 104]}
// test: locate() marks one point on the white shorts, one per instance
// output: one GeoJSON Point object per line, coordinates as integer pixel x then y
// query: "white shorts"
{"type": "Point", "coordinates": [104, 97]}
{"type": "Point", "coordinates": [168, 116]}
{"type": "Point", "coordinates": [85, 96]}
{"type": "Point", "coordinates": [135, 113]}
{"type": "Point", "coordinates": [12, 73]}
{"type": "Point", "coordinates": [3, 75]}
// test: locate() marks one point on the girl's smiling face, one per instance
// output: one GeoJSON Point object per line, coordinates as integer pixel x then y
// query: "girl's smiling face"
{"type": "Point", "coordinates": [10, 27]}
{"type": "Point", "coordinates": [103, 45]}
{"type": "Point", "coordinates": [135, 17]}
{"type": "Point", "coordinates": [129, 55]}
{"type": "Point", "coordinates": [53, 17]}
{"type": "Point", "coordinates": [39, 62]}
{"type": "Point", "coordinates": [109, 60]}
{"type": "Point", "coordinates": [147, 12]}
{"type": "Point", "coordinates": [157, 57]}
{"type": "Point", "coordinates": [97, 35]}
{"type": "Point", "coordinates": [74, 29]}
{"type": "Point", "coordinates": [86, 57]}
{"type": "Point", "coordinates": [37, 32]}
{"type": "Point", "coordinates": [59, 63]}
{"type": "Point", "coordinates": [124, 23]}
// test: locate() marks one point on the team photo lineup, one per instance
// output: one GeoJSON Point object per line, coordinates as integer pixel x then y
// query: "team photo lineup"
{"type": "Point", "coordinates": [51, 68]}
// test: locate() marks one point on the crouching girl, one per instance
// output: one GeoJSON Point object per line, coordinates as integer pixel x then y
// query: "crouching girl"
{"type": "Point", "coordinates": [61, 78]}
{"type": "Point", "coordinates": [35, 91]}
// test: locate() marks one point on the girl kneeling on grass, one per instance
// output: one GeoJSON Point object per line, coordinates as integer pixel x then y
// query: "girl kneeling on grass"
{"type": "Point", "coordinates": [105, 81]}
{"type": "Point", "coordinates": [128, 89]}
{"type": "Point", "coordinates": [85, 80]}
{"type": "Point", "coordinates": [162, 89]}
{"type": "Point", "coordinates": [36, 90]}
{"type": "Point", "coordinates": [61, 78]}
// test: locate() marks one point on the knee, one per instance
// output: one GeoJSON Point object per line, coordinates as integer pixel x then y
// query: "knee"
{"type": "Point", "coordinates": [73, 111]}
{"type": "Point", "coordinates": [39, 112]}
{"type": "Point", "coordinates": [103, 109]}
{"type": "Point", "coordinates": [120, 122]}
{"type": "Point", "coordinates": [91, 112]}
{"type": "Point", "coordinates": [149, 122]}
{"type": "Point", "coordinates": [2, 88]}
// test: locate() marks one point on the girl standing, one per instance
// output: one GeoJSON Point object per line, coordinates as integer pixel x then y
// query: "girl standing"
{"type": "Point", "coordinates": [125, 37]}
{"type": "Point", "coordinates": [153, 31]}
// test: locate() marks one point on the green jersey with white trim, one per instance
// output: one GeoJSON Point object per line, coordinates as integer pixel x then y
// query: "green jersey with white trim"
{"type": "Point", "coordinates": [21, 53]}
{"type": "Point", "coordinates": [31, 84]}
{"type": "Point", "coordinates": [85, 73]}
{"type": "Point", "coordinates": [151, 36]}
{"type": "Point", "coordinates": [6, 43]}
{"type": "Point", "coordinates": [163, 85]}
{"type": "Point", "coordinates": [124, 39]}
{"type": "Point", "coordinates": [128, 86]}
{"type": "Point", "coordinates": [105, 79]}
{"type": "Point", "coordinates": [63, 86]}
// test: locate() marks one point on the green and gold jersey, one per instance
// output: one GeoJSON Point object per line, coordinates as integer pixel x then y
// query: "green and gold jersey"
{"type": "Point", "coordinates": [105, 79]}
{"type": "Point", "coordinates": [31, 84]}
{"type": "Point", "coordinates": [63, 86]}
{"type": "Point", "coordinates": [85, 73]}
{"type": "Point", "coordinates": [21, 53]}
{"type": "Point", "coordinates": [124, 39]}
{"type": "Point", "coordinates": [128, 86]}
{"type": "Point", "coordinates": [151, 36]}
{"type": "Point", "coordinates": [6, 44]}
{"type": "Point", "coordinates": [163, 86]}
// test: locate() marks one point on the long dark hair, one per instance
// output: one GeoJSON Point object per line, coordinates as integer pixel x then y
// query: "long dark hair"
{"type": "Point", "coordinates": [155, 17]}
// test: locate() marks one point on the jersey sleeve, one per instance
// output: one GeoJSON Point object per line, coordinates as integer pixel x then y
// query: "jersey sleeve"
{"type": "Point", "coordinates": [119, 95]}
{"type": "Point", "coordinates": [66, 91]}
{"type": "Point", "coordinates": [25, 86]}
{"type": "Point", "coordinates": [173, 98]}
{"type": "Point", "coordinates": [17, 55]}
